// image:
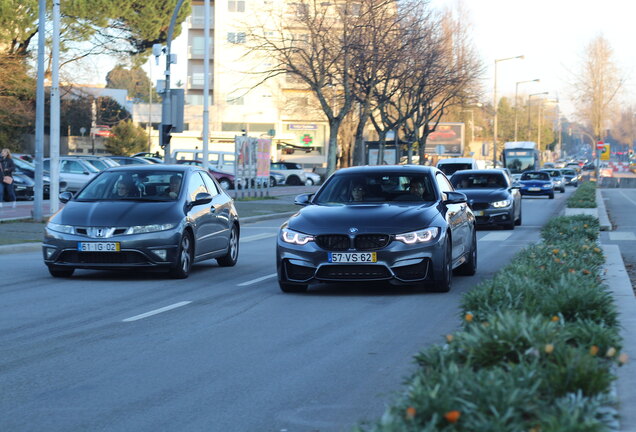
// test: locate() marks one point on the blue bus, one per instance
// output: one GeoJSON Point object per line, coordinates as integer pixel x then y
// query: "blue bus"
{"type": "Point", "coordinates": [521, 156]}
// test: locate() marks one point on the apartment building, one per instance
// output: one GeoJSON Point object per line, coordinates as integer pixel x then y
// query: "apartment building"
{"type": "Point", "coordinates": [280, 106]}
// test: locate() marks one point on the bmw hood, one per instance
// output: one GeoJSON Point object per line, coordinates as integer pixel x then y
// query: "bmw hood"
{"type": "Point", "coordinates": [118, 213]}
{"type": "Point", "coordinates": [365, 218]}
{"type": "Point", "coordinates": [485, 195]}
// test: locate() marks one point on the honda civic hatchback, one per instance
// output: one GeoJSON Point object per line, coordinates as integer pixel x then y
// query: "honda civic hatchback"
{"type": "Point", "coordinates": [143, 217]}
{"type": "Point", "coordinates": [405, 225]}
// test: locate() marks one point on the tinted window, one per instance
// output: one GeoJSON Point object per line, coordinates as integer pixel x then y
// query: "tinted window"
{"type": "Point", "coordinates": [374, 188]}
{"type": "Point", "coordinates": [535, 176]}
{"type": "Point", "coordinates": [195, 186]}
{"type": "Point", "coordinates": [479, 181]}
{"type": "Point", "coordinates": [148, 185]}
{"type": "Point", "coordinates": [210, 184]}
{"type": "Point", "coordinates": [451, 168]}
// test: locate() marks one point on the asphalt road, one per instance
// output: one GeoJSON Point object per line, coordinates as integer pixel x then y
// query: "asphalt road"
{"type": "Point", "coordinates": [621, 208]}
{"type": "Point", "coordinates": [224, 350]}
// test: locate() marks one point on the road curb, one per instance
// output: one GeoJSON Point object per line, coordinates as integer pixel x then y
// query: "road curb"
{"type": "Point", "coordinates": [618, 283]}
{"type": "Point", "coordinates": [603, 218]}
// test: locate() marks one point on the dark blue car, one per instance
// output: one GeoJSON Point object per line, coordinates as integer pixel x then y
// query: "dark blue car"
{"type": "Point", "coordinates": [536, 183]}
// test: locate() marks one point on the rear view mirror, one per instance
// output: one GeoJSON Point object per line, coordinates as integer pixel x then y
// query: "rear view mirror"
{"type": "Point", "coordinates": [455, 198]}
{"type": "Point", "coordinates": [65, 197]}
{"type": "Point", "coordinates": [303, 199]}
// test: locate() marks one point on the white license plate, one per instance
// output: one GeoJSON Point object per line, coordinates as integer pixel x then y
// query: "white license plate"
{"type": "Point", "coordinates": [352, 257]}
{"type": "Point", "coordinates": [478, 212]}
{"type": "Point", "coordinates": [534, 189]}
{"type": "Point", "coordinates": [98, 246]}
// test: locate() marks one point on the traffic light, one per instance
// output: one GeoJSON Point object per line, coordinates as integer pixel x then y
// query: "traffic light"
{"type": "Point", "coordinates": [165, 135]}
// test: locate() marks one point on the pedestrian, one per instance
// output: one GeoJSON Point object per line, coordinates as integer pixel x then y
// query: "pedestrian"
{"type": "Point", "coordinates": [7, 168]}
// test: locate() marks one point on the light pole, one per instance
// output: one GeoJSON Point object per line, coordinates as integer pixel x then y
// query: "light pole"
{"type": "Point", "coordinates": [529, 106]}
{"type": "Point", "coordinates": [494, 126]}
{"type": "Point", "coordinates": [516, 97]}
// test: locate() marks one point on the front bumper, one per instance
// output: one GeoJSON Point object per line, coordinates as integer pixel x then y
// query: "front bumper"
{"type": "Point", "coordinates": [541, 192]}
{"type": "Point", "coordinates": [136, 251]}
{"type": "Point", "coordinates": [397, 263]}
{"type": "Point", "coordinates": [494, 216]}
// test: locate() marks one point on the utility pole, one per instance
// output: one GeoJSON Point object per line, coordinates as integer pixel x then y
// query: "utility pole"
{"type": "Point", "coordinates": [54, 188]}
{"type": "Point", "coordinates": [39, 118]}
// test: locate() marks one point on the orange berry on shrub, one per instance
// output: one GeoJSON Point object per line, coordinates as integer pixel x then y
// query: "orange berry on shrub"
{"type": "Point", "coordinates": [452, 416]}
{"type": "Point", "coordinates": [410, 412]}
{"type": "Point", "coordinates": [593, 350]}
{"type": "Point", "coordinates": [468, 317]}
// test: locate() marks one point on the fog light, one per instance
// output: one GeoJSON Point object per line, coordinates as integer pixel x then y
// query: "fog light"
{"type": "Point", "coordinates": [49, 252]}
{"type": "Point", "coordinates": [161, 253]}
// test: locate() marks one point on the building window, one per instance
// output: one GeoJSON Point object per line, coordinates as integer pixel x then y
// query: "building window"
{"type": "Point", "coordinates": [236, 37]}
{"type": "Point", "coordinates": [198, 46]}
{"type": "Point", "coordinates": [195, 99]}
{"type": "Point", "coordinates": [236, 5]}
{"type": "Point", "coordinates": [235, 100]}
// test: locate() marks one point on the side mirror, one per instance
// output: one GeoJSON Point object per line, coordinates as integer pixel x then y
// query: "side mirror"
{"type": "Point", "coordinates": [65, 197]}
{"type": "Point", "coordinates": [202, 198]}
{"type": "Point", "coordinates": [303, 199]}
{"type": "Point", "coordinates": [455, 198]}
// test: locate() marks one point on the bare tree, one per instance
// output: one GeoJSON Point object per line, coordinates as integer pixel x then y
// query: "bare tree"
{"type": "Point", "coordinates": [311, 42]}
{"type": "Point", "coordinates": [596, 85]}
{"type": "Point", "coordinates": [624, 128]}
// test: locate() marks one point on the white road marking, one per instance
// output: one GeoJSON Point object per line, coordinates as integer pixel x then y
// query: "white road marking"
{"type": "Point", "coordinates": [260, 279]}
{"type": "Point", "coordinates": [622, 235]}
{"type": "Point", "coordinates": [157, 311]}
{"type": "Point", "coordinates": [257, 237]}
{"type": "Point", "coordinates": [496, 236]}
{"type": "Point", "coordinates": [628, 198]}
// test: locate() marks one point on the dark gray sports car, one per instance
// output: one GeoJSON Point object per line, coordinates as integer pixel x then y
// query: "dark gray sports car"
{"type": "Point", "coordinates": [401, 224]}
{"type": "Point", "coordinates": [143, 216]}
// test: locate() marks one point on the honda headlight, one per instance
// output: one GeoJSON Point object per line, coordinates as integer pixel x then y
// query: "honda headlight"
{"type": "Point", "coordinates": [144, 229]}
{"type": "Point", "coordinates": [500, 204]}
{"type": "Point", "coordinates": [66, 229]}
{"type": "Point", "coordinates": [295, 237]}
{"type": "Point", "coordinates": [421, 236]}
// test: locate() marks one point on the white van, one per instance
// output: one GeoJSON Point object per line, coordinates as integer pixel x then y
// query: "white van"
{"type": "Point", "coordinates": [450, 165]}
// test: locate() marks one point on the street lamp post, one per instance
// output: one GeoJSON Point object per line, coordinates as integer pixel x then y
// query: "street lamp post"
{"type": "Point", "coordinates": [529, 106]}
{"type": "Point", "coordinates": [494, 133]}
{"type": "Point", "coordinates": [516, 97]}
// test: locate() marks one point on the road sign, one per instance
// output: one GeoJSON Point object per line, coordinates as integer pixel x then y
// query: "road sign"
{"type": "Point", "coordinates": [600, 145]}
{"type": "Point", "coordinates": [605, 153]}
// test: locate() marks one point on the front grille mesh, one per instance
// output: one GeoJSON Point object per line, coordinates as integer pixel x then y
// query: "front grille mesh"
{"type": "Point", "coordinates": [412, 272]}
{"type": "Point", "coordinates": [333, 242]}
{"type": "Point", "coordinates": [365, 242]}
{"type": "Point", "coordinates": [126, 257]}
{"type": "Point", "coordinates": [479, 206]}
{"type": "Point", "coordinates": [371, 241]}
{"type": "Point", "coordinates": [353, 272]}
{"type": "Point", "coordinates": [298, 273]}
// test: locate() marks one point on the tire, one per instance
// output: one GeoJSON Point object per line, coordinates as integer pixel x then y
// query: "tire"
{"type": "Point", "coordinates": [60, 272]}
{"type": "Point", "coordinates": [230, 259]}
{"type": "Point", "coordinates": [287, 287]}
{"type": "Point", "coordinates": [551, 196]}
{"type": "Point", "coordinates": [225, 183]}
{"type": "Point", "coordinates": [309, 182]}
{"type": "Point", "coordinates": [293, 181]}
{"type": "Point", "coordinates": [443, 284]}
{"type": "Point", "coordinates": [182, 267]}
{"type": "Point", "coordinates": [518, 221]}
{"type": "Point", "coordinates": [469, 268]}
{"type": "Point", "coordinates": [272, 182]}
{"type": "Point", "coordinates": [563, 189]}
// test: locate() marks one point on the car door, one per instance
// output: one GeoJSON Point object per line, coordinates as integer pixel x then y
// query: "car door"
{"type": "Point", "coordinates": [221, 208]}
{"type": "Point", "coordinates": [75, 174]}
{"type": "Point", "coordinates": [457, 217]}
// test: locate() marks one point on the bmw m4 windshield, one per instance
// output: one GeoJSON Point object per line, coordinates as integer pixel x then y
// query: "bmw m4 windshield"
{"type": "Point", "coordinates": [359, 189]}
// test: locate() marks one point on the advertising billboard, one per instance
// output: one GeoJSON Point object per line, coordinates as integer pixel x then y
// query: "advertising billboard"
{"type": "Point", "coordinates": [447, 139]}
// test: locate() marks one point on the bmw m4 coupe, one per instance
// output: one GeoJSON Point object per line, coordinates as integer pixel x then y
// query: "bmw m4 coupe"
{"type": "Point", "coordinates": [402, 224]}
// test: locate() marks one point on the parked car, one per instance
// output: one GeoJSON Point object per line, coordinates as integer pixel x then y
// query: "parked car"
{"type": "Point", "coordinates": [450, 165]}
{"type": "Point", "coordinates": [23, 187]}
{"type": "Point", "coordinates": [388, 233]}
{"type": "Point", "coordinates": [294, 173]}
{"type": "Point", "coordinates": [536, 183]}
{"type": "Point", "coordinates": [557, 179]}
{"type": "Point", "coordinates": [74, 171]}
{"type": "Point", "coordinates": [165, 224]}
{"type": "Point", "coordinates": [491, 195]}
{"type": "Point", "coordinates": [226, 180]}
{"type": "Point", "coordinates": [28, 169]}
{"type": "Point", "coordinates": [99, 162]}
{"type": "Point", "coordinates": [127, 160]}
{"type": "Point", "coordinates": [571, 177]}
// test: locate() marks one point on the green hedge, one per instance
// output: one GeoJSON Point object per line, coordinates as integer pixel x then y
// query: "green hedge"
{"type": "Point", "coordinates": [535, 351]}
{"type": "Point", "coordinates": [584, 196]}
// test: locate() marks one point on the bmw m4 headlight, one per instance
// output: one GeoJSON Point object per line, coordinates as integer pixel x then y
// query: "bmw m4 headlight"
{"type": "Point", "coordinates": [144, 229]}
{"type": "Point", "coordinates": [421, 236]}
{"type": "Point", "coordinates": [500, 204]}
{"type": "Point", "coordinates": [66, 229]}
{"type": "Point", "coordinates": [295, 237]}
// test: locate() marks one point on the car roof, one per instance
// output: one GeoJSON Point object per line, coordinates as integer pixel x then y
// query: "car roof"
{"type": "Point", "coordinates": [455, 160]}
{"type": "Point", "coordinates": [482, 171]}
{"type": "Point", "coordinates": [156, 167]}
{"type": "Point", "coordinates": [387, 169]}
